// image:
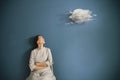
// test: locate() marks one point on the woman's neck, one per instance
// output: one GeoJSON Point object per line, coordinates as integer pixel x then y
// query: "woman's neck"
{"type": "Point", "coordinates": [40, 46]}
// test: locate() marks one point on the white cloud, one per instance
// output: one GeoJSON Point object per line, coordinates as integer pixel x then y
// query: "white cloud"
{"type": "Point", "coordinates": [80, 16]}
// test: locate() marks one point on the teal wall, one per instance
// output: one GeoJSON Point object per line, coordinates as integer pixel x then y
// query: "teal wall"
{"type": "Point", "coordinates": [88, 51]}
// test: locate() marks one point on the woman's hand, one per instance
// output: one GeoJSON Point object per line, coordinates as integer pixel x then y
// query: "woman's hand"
{"type": "Point", "coordinates": [38, 68]}
{"type": "Point", "coordinates": [41, 64]}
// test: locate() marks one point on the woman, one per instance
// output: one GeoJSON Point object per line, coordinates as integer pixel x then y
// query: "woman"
{"type": "Point", "coordinates": [41, 62]}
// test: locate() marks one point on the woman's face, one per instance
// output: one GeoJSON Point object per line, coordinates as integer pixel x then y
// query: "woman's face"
{"type": "Point", "coordinates": [40, 40]}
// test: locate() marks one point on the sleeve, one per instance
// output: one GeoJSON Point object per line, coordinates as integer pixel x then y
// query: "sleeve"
{"type": "Point", "coordinates": [49, 62]}
{"type": "Point", "coordinates": [31, 61]}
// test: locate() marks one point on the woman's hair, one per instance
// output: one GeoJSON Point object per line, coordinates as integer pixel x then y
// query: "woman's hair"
{"type": "Point", "coordinates": [35, 40]}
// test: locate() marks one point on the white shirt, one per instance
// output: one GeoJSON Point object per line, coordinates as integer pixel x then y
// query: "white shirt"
{"type": "Point", "coordinates": [40, 55]}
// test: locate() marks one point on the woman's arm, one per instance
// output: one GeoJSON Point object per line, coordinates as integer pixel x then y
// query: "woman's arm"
{"type": "Point", "coordinates": [49, 62]}
{"type": "Point", "coordinates": [31, 61]}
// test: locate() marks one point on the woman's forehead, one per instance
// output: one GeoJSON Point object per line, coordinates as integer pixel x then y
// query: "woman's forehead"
{"type": "Point", "coordinates": [39, 37]}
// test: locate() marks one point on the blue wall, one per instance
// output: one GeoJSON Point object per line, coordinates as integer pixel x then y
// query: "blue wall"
{"type": "Point", "coordinates": [81, 52]}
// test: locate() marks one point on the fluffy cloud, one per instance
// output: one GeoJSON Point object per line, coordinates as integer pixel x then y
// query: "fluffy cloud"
{"type": "Point", "coordinates": [80, 16]}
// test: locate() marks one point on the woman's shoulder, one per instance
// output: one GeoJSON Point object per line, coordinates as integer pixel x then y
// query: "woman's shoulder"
{"type": "Point", "coordinates": [34, 50]}
{"type": "Point", "coordinates": [47, 48]}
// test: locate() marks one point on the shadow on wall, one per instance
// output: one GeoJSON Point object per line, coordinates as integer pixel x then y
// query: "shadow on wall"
{"type": "Point", "coordinates": [26, 56]}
